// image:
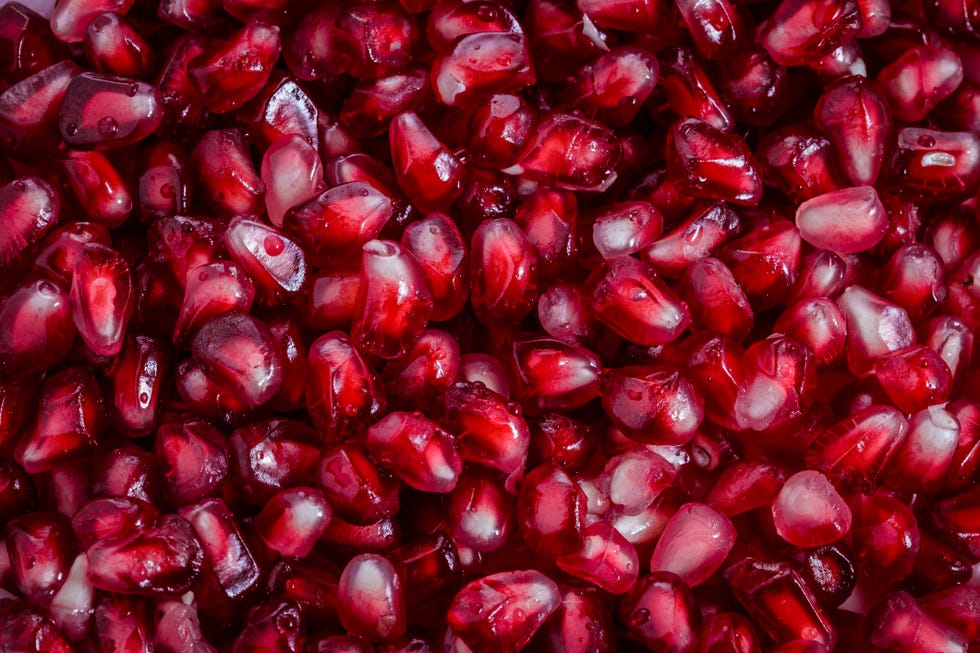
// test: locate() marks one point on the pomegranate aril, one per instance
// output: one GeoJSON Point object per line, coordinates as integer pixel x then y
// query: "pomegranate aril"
{"type": "Point", "coordinates": [165, 558]}
{"type": "Point", "coordinates": [703, 231]}
{"type": "Point", "coordinates": [800, 161]}
{"type": "Point", "coordinates": [163, 185]}
{"type": "Point", "coordinates": [239, 353]}
{"type": "Point", "coordinates": [855, 117]}
{"type": "Point", "coordinates": [272, 626]}
{"type": "Point", "coordinates": [370, 599]}
{"type": "Point", "coordinates": [613, 88]}
{"type": "Point", "coordinates": [481, 65]}
{"type": "Point", "coordinates": [819, 324]}
{"type": "Point", "coordinates": [718, 28]}
{"type": "Point", "coordinates": [417, 451]}
{"type": "Point", "coordinates": [30, 207]}
{"type": "Point", "coordinates": [27, 42]}
{"type": "Point", "coordinates": [69, 424]}
{"type": "Point", "coordinates": [36, 328]}
{"type": "Point", "coordinates": [42, 549]}
{"type": "Point", "coordinates": [659, 612]}
{"type": "Point", "coordinates": [925, 455]}
{"type": "Point", "coordinates": [716, 302]}
{"type": "Point", "coordinates": [778, 383]}
{"type": "Point", "coordinates": [269, 456]}
{"type": "Point", "coordinates": [690, 92]}
{"type": "Point", "coordinates": [626, 228]}
{"type": "Point", "coordinates": [715, 362]}
{"type": "Point", "coordinates": [755, 87]}
{"type": "Point", "coordinates": [934, 164]}
{"type": "Point", "coordinates": [71, 606]}
{"type": "Point", "coordinates": [428, 173]}
{"type": "Point", "coordinates": [914, 279]}
{"type": "Point", "coordinates": [489, 429]}
{"type": "Point", "coordinates": [808, 512]}
{"type": "Point", "coordinates": [780, 602]}
{"type": "Point", "coordinates": [553, 375]}
{"type": "Point", "coordinates": [875, 328]}
{"type": "Point", "coordinates": [115, 47]}
{"type": "Point", "coordinates": [70, 18]}
{"type": "Point", "coordinates": [914, 378]}
{"type": "Point", "coordinates": [292, 173]}
{"type": "Point", "coordinates": [856, 451]}
{"type": "Point", "coordinates": [765, 262]}
{"type": "Point", "coordinates": [274, 262]}
{"type": "Point", "coordinates": [957, 607]}
{"type": "Point", "coordinates": [226, 172]}
{"type": "Point", "coordinates": [504, 273]}
{"type": "Point", "coordinates": [343, 392]}
{"type": "Point", "coordinates": [138, 381]}
{"type": "Point", "coordinates": [570, 152]}
{"type": "Point", "coordinates": [209, 291]}
{"type": "Point", "coordinates": [501, 125]}
{"type": "Point", "coordinates": [480, 511]}
{"type": "Point", "coordinates": [606, 559]}
{"type": "Point", "coordinates": [108, 112]}
{"type": "Point", "coordinates": [29, 111]}
{"type": "Point", "coordinates": [28, 630]}
{"type": "Point", "coordinates": [801, 31]}
{"type": "Point", "coordinates": [829, 572]}
{"type": "Point", "coordinates": [920, 79]}
{"type": "Point", "coordinates": [550, 511]}
{"type": "Point", "coordinates": [438, 246]}
{"type": "Point", "coordinates": [355, 487]}
{"type": "Point", "coordinates": [419, 380]}
{"type": "Point", "coordinates": [178, 628]}
{"type": "Point", "coordinates": [694, 543]}
{"type": "Point", "coordinates": [581, 623]}
{"type": "Point", "coordinates": [293, 520]}
{"type": "Point", "coordinates": [121, 625]}
{"type": "Point", "coordinates": [845, 221]}
{"type": "Point", "coordinates": [372, 41]}
{"type": "Point", "coordinates": [711, 164]}
{"type": "Point", "coordinates": [372, 104]}
{"type": "Point", "coordinates": [896, 622]}
{"type": "Point", "coordinates": [233, 71]}
{"type": "Point", "coordinates": [225, 549]}
{"type": "Point", "coordinates": [98, 188]}
{"type": "Point", "coordinates": [503, 611]}
{"type": "Point", "coordinates": [653, 404]}
{"type": "Point", "coordinates": [729, 632]}
{"type": "Point", "coordinates": [886, 536]}
{"type": "Point", "coordinates": [128, 471]}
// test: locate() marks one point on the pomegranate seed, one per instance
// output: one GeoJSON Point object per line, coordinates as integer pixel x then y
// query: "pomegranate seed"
{"type": "Point", "coordinates": [343, 392]}
{"type": "Point", "coordinates": [98, 188]}
{"type": "Point", "coordinates": [115, 47]}
{"type": "Point", "coordinates": [716, 301]}
{"type": "Point", "coordinates": [925, 455]}
{"type": "Point", "coordinates": [108, 112]}
{"type": "Point", "coordinates": [138, 379]}
{"type": "Point", "coordinates": [428, 173]}
{"type": "Point", "coordinates": [886, 536]}
{"type": "Point", "coordinates": [29, 630]}
{"type": "Point", "coordinates": [875, 328]}
{"type": "Point", "coordinates": [29, 109]}
{"type": "Point", "coordinates": [481, 512]}
{"type": "Point", "coordinates": [550, 512]}
{"type": "Point", "coordinates": [606, 559]}
{"type": "Point", "coordinates": [801, 30]}
{"type": "Point", "coordinates": [69, 424]}
{"type": "Point", "coordinates": [653, 404]}
{"type": "Point", "coordinates": [709, 163]}
{"type": "Point", "coordinates": [194, 457]}
{"type": "Point", "coordinates": [177, 628]}
{"type": "Point", "coordinates": [698, 236]}
{"type": "Point", "coordinates": [808, 512]}
{"type": "Point", "coordinates": [572, 153]}
{"type": "Point", "coordinates": [780, 602]}
{"type": "Point", "coordinates": [370, 599]}
{"type": "Point", "coordinates": [240, 354]}
{"type": "Point", "coordinates": [626, 228]}
{"type": "Point", "coordinates": [417, 451]}
{"type": "Point", "coordinates": [503, 611]}
{"type": "Point", "coordinates": [227, 174]}
{"type": "Point", "coordinates": [272, 626]}
{"type": "Point", "coordinates": [233, 71]}
{"type": "Point", "coordinates": [728, 631]}
{"type": "Point", "coordinates": [919, 79]}
{"type": "Point", "coordinates": [355, 487]}
{"type": "Point", "coordinates": [163, 186]}
{"type": "Point", "coordinates": [29, 44]}
{"type": "Point", "coordinates": [293, 520]}
{"type": "Point", "coordinates": [70, 19]}
{"type": "Point", "coordinates": [504, 273]}
{"type": "Point", "coordinates": [225, 549]}
{"type": "Point", "coordinates": [270, 456]}
{"type": "Point", "coordinates": [421, 378]}
{"type": "Point", "coordinates": [754, 85]}
{"type": "Point", "coordinates": [209, 291]}
{"type": "Point", "coordinates": [42, 550]}
{"type": "Point", "coordinates": [694, 543]}
{"type": "Point", "coordinates": [482, 64]}
{"type": "Point", "coordinates": [897, 622]}
{"type": "Point", "coordinates": [37, 328]}
{"type": "Point", "coordinates": [956, 607]}
{"type": "Point", "coordinates": [161, 559]}
{"type": "Point", "coordinates": [275, 263]}
{"type": "Point", "coordinates": [659, 611]}
{"type": "Point", "coordinates": [581, 623]}
{"type": "Point", "coordinates": [860, 144]}
{"type": "Point", "coordinates": [555, 376]}
{"type": "Point", "coordinates": [915, 150]}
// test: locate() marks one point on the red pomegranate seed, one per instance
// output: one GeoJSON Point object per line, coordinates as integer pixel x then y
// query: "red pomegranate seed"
{"type": "Point", "coordinates": [553, 375]}
{"type": "Point", "coordinates": [428, 173]}
{"type": "Point", "coordinates": [234, 70]}
{"type": "Point", "coordinates": [716, 301]}
{"type": "Point", "coordinates": [356, 488]}
{"type": "Point", "coordinates": [29, 109]}
{"type": "Point", "coordinates": [29, 630]}
{"type": "Point", "coordinates": [957, 607]}
{"type": "Point", "coordinates": [30, 44]}
{"type": "Point", "coordinates": [919, 79]}
{"type": "Point", "coordinates": [36, 328]}
{"type": "Point", "coordinates": [481, 512]}
{"type": "Point", "coordinates": [417, 451]}
{"type": "Point", "coordinates": [581, 623]}
{"type": "Point", "coordinates": [420, 379]}
{"type": "Point", "coordinates": [101, 298]}
{"type": "Point", "coordinates": [274, 262]}
{"type": "Point", "coordinates": [226, 551]}
{"type": "Point", "coordinates": [875, 328]}
{"type": "Point", "coordinates": [711, 164]}
{"type": "Point", "coordinates": [162, 559]}
{"type": "Point", "coordinates": [886, 536]}
{"type": "Point", "coordinates": [780, 602]}
{"type": "Point", "coordinates": [107, 112]}
{"type": "Point", "coordinates": [267, 457]}
{"type": "Point", "coordinates": [819, 324]}
{"type": "Point", "coordinates": [370, 599]}
{"type": "Point", "coordinates": [654, 404]}
{"type": "Point", "coordinates": [239, 353]}
{"type": "Point", "coordinates": [659, 611]}
{"type": "Point", "coordinates": [292, 174]}
{"type": "Point", "coordinates": [571, 152]}
{"type": "Point", "coordinates": [755, 86]}
{"type": "Point", "coordinates": [115, 47]}
{"type": "Point", "coordinates": [694, 543]}
{"type": "Point", "coordinates": [293, 520]}
{"type": "Point", "coordinates": [227, 173]}
{"type": "Point", "coordinates": [606, 559]}
{"type": "Point", "coordinates": [42, 549]}
{"type": "Point", "coordinates": [925, 455]}
{"type": "Point", "coordinates": [482, 64]}
{"type": "Point", "coordinates": [272, 626]}
{"type": "Point", "coordinates": [845, 221]}
{"type": "Point", "coordinates": [550, 511]}
{"type": "Point", "coordinates": [935, 164]}
{"type": "Point", "coordinates": [503, 611]}
{"type": "Point", "coordinates": [801, 31]}
{"type": "Point", "coordinates": [861, 143]}
{"type": "Point", "coordinates": [212, 290]}
{"type": "Point", "coordinates": [808, 512]}
{"type": "Point", "coordinates": [896, 621]}
{"type": "Point", "coordinates": [138, 379]}
{"type": "Point", "coordinates": [729, 631]}
{"type": "Point", "coordinates": [69, 424]}
{"type": "Point", "coordinates": [689, 90]}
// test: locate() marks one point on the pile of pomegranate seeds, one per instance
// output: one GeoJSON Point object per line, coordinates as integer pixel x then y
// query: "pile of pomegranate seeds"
{"type": "Point", "coordinates": [489, 326]}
